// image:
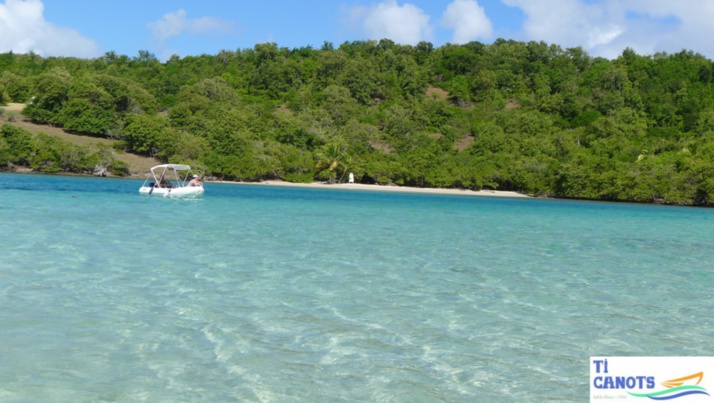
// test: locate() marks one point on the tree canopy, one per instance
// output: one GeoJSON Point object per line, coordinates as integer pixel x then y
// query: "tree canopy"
{"type": "Point", "coordinates": [530, 117]}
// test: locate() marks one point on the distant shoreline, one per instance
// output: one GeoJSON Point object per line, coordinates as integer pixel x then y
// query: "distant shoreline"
{"type": "Point", "coordinates": [359, 187]}
{"type": "Point", "coordinates": [382, 188]}
{"type": "Point", "coordinates": [316, 185]}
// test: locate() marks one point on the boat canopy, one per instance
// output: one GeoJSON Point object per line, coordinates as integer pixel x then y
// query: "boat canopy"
{"type": "Point", "coordinates": [176, 167]}
{"type": "Point", "coordinates": [172, 172]}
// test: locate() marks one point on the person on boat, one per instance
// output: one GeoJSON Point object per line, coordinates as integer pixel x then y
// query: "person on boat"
{"type": "Point", "coordinates": [195, 181]}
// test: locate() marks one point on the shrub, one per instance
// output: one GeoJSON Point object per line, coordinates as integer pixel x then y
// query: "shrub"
{"type": "Point", "coordinates": [119, 168]}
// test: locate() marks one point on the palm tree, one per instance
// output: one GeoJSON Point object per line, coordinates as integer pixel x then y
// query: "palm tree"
{"type": "Point", "coordinates": [332, 156]}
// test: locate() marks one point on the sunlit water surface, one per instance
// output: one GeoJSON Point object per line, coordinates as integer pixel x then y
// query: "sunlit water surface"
{"type": "Point", "coordinates": [281, 294]}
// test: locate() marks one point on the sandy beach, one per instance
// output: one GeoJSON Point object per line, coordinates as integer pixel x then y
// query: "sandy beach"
{"type": "Point", "coordinates": [380, 188]}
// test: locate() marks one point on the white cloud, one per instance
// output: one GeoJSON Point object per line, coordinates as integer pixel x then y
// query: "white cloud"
{"type": "Point", "coordinates": [406, 24]}
{"type": "Point", "coordinates": [23, 29]}
{"type": "Point", "coordinates": [468, 20]}
{"type": "Point", "coordinates": [599, 36]}
{"type": "Point", "coordinates": [606, 27]}
{"type": "Point", "coordinates": [569, 23]}
{"type": "Point", "coordinates": [175, 24]}
{"type": "Point", "coordinates": [693, 31]}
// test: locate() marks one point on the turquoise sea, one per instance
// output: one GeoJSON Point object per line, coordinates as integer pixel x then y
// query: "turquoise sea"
{"type": "Point", "coordinates": [273, 294]}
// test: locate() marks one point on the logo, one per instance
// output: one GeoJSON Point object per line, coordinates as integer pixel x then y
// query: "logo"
{"type": "Point", "coordinates": [651, 378]}
{"type": "Point", "coordinates": [677, 388]}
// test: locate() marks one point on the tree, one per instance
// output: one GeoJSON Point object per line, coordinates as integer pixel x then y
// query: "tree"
{"type": "Point", "coordinates": [146, 134]}
{"type": "Point", "coordinates": [20, 145]}
{"type": "Point", "coordinates": [51, 91]}
{"type": "Point", "coordinates": [332, 157]}
{"type": "Point", "coordinates": [338, 102]}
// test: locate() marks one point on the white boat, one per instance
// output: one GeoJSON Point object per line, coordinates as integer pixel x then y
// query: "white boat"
{"type": "Point", "coordinates": [171, 180]}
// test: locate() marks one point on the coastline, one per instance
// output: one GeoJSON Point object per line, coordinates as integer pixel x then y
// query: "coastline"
{"type": "Point", "coordinates": [382, 188]}
{"type": "Point", "coordinates": [317, 185]}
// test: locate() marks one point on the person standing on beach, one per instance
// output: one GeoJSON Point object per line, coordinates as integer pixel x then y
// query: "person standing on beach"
{"type": "Point", "coordinates": [351, 178]}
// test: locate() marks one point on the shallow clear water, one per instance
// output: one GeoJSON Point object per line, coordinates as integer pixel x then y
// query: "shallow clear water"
{"type": "Point", "coordinates": [281, 294]}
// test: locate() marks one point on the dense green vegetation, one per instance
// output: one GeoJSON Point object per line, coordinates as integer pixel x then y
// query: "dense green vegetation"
{"type": "Point", "coordinates": [530, 117]}
{"type": "Point", "coordinates": [49, 154]}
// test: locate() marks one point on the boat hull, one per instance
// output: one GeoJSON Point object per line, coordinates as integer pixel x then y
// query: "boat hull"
{"type": "Point", "coordinates": [191, 192]}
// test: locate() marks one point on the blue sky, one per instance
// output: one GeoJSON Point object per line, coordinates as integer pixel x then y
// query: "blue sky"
{"type": "Point", "coordinates": [604, 28]}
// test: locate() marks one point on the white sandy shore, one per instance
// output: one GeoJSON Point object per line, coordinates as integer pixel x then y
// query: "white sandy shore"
{"type": "Point", "coordinates": [380, 188]}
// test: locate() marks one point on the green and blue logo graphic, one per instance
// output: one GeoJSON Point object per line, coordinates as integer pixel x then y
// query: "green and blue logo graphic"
{"type": "Point", "coordinates": [680, 387]}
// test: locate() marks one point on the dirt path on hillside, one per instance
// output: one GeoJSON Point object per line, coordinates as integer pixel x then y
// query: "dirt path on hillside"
{"type": "Point", "coordinates": [138, 165]}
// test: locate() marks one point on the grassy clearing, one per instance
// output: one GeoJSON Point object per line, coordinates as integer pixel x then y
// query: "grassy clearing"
{"type": "Point", "coordinates": [138, 165]}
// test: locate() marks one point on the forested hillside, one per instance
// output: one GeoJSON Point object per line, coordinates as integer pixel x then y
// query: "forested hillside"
{"type": "Point", "coordinates": [530, 117]}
